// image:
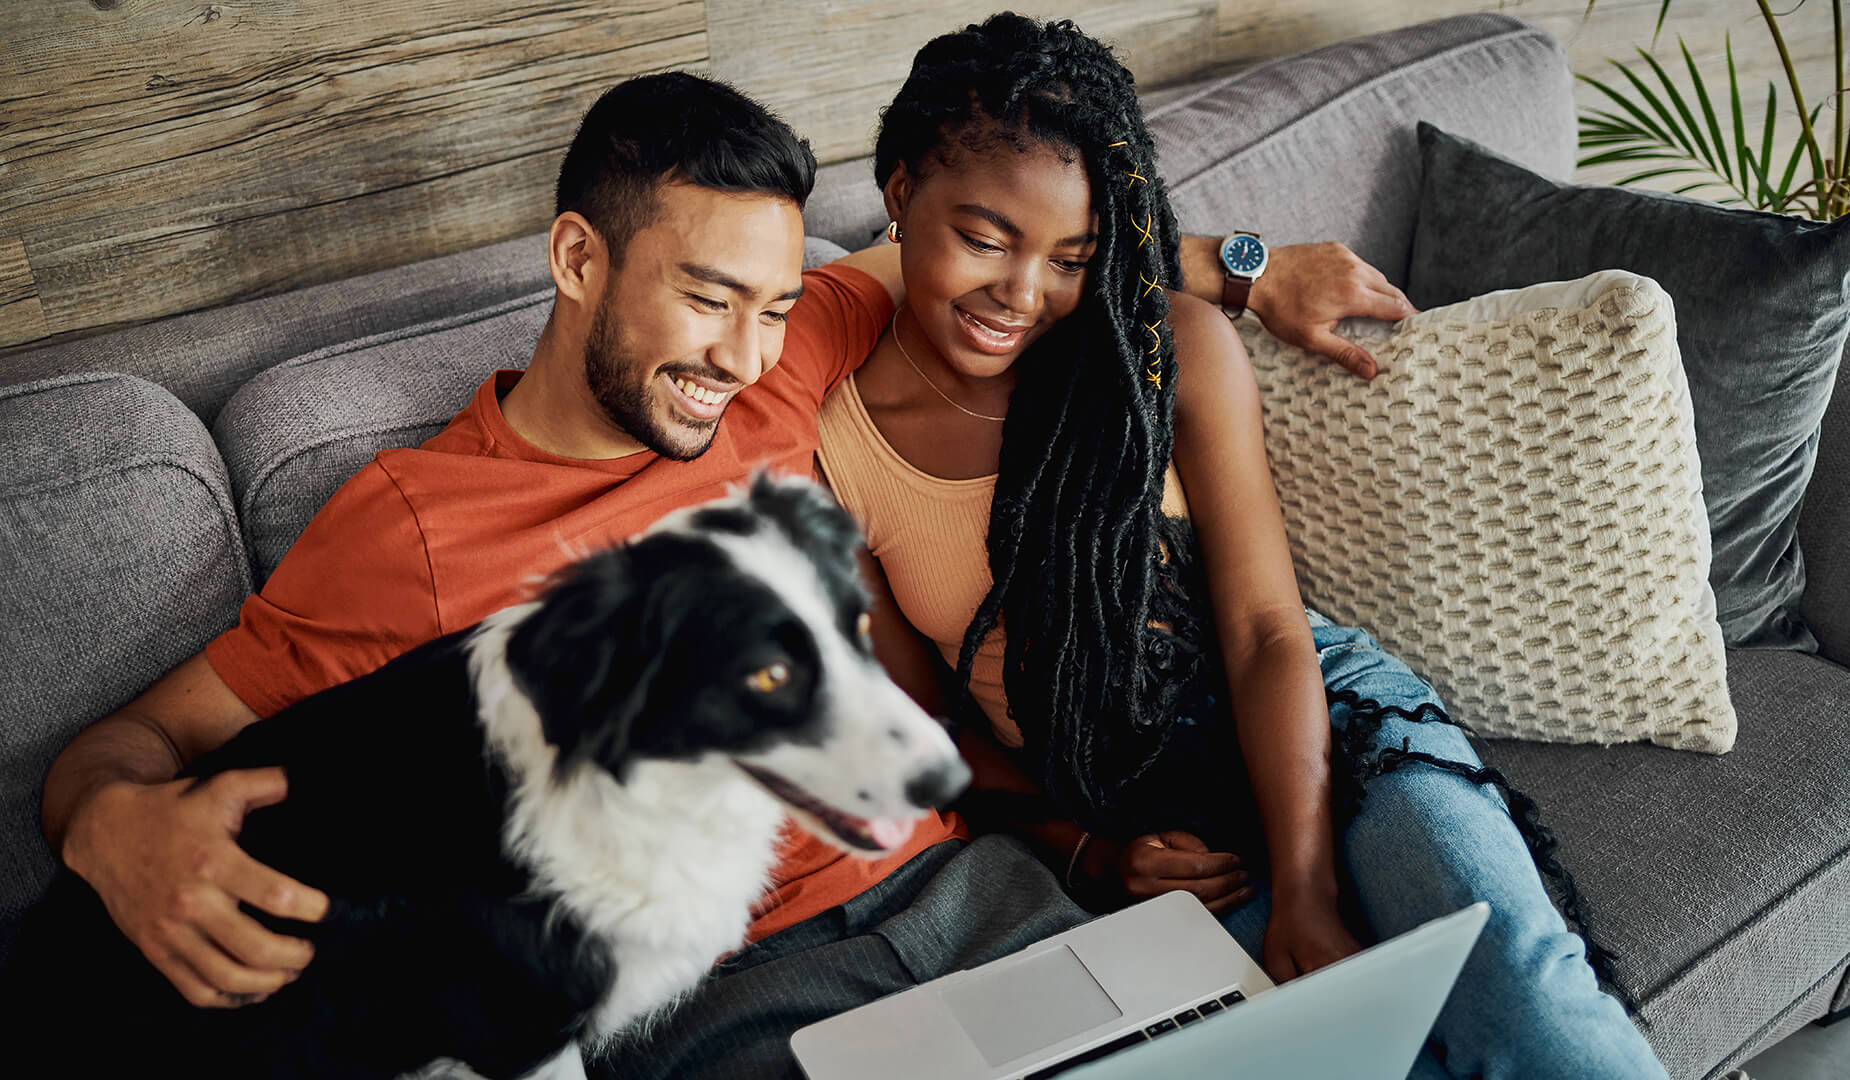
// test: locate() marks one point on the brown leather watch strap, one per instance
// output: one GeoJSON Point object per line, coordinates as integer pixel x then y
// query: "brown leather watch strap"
{"type": "Point", "coordinates": [1233, 295]}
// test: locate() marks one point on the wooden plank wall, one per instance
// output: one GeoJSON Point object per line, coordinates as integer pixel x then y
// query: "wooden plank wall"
{"type": "Point", "coordinates": [161, 156]}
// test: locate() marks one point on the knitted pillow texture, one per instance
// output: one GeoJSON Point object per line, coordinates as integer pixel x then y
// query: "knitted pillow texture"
{"type": "Point", "coordinates": [1514, 507]}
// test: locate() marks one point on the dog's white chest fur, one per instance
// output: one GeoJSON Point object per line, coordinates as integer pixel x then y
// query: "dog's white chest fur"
{"type": "Point", "coordinates": [664, 867]}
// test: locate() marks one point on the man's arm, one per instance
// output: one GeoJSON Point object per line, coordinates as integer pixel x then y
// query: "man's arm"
{"type": "Point", "coordinates": [1305, 290]}
{"type": "Point", "coordinates": [163, 854]}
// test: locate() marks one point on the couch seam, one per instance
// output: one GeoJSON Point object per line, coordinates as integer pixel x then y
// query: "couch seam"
{"type": "Point", "coordinates": [1734, 1057]}
{"type": "Point", "coordinates": [1369, 85]}
{"type": "Point", "coordinates": [1682, 975]}
{"type": "Point", "coordinates": [386, 337]}
{"type": "Point", "coordinates": [227, 513]}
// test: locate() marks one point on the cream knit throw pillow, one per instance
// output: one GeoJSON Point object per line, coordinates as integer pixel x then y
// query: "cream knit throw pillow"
{"type": "Point", "coordinates": [1514, 507]}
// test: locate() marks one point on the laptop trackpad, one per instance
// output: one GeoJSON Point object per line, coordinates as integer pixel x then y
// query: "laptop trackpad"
{"type": "Point", "coordinates": [1026, 1006]}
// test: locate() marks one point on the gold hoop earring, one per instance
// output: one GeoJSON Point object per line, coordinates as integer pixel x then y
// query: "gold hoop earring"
{"type": "Point", "coordinates": [892, 232]}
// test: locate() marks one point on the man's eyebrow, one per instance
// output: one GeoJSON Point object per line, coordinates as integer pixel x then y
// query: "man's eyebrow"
{"type": "Point", "coordinates": [713, 275]}
{"type": "Point", "coordinates": [1014, 230]}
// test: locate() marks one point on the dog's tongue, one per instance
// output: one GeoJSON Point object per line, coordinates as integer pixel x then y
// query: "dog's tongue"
{"type": "Point", "coordinates": [889, 833]}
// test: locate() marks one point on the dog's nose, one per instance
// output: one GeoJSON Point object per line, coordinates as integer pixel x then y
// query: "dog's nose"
{"type": "Point", "coordinates": [939, 784]}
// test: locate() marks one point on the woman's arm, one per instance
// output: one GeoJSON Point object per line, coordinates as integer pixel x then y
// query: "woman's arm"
{"type": "Point", "coordinates": [1273, 677]}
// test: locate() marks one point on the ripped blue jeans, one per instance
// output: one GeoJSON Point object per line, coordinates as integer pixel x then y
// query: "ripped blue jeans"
{"type": "Point", "coordinates": [1425, 843]}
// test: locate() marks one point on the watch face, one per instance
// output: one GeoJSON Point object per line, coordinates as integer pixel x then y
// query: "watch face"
{"type": "Point", "coordinates": [1243, 255]}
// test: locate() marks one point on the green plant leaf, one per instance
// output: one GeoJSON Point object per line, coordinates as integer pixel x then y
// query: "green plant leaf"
{"type": "Point", "coordinates": [1767, 194]}
{"type": "Point", "coordinates": [1675, 134]}
{"type": "Point", "coordinates": [1701, 145]}
{"type": "Point", "coordinates": [1721, 162]}
{"type": "Point", "coordinates": [1624, 103]}
{"type": "Point", "coordinates": [1740, 120]}
{"type": "Point", "coordinates": [1661, 13]}
{"type": "Point", "coordinates": [1672, 171]}
{"type": "Point", "coordinates": [1640, 153]}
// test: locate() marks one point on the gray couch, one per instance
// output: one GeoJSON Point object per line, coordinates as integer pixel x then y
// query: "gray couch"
{"type": "Point", "coordinates": [155, 476]}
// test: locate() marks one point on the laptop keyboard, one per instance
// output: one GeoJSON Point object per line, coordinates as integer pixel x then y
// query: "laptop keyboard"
{"type": "Point", "coordinates": [1125, 1042]}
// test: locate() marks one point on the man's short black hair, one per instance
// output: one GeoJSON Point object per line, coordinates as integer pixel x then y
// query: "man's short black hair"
{"type": "Point", "coordinates": [675, 127]}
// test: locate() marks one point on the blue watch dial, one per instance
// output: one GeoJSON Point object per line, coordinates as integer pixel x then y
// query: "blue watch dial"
{"type": "Point", "coordinates": [1242, 255]}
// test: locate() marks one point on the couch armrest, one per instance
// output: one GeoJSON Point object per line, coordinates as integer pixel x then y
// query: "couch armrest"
{"type": "Point", "coordinates": [1824, 529]}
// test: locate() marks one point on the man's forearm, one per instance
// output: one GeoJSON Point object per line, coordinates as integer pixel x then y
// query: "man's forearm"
{"type": "Point", "coordinates": [118, 748]}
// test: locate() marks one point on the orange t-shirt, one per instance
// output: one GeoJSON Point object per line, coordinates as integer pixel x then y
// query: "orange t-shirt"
{"type": "Point", "coordinates": [424, 542]}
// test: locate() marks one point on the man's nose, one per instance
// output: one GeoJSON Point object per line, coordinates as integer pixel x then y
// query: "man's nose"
{"type": "Point", "coordinates": [739, 352]}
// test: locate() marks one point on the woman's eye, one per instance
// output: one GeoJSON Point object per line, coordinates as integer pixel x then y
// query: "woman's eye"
{"type": "Point", "coordinates": [980, 246]}
{"type": "Point", "coordinates": [1068, 266]}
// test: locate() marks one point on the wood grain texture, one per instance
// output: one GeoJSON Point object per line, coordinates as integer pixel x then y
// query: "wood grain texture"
{"type": "Point", "coordinates": [21, 317]}
{"type": "Point", "coordinates": [168, 155]}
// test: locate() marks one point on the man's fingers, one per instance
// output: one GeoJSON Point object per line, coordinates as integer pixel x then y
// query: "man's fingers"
{"type": "Point", "coordinates": [1213, 888]}
{"type": "Point", "coordinates": [231, 982]}
{"type": "Point", "coordinates": [1385, 303]}
{"type": "Point", "coordinates": [249, 943]}
{"type": "Point", "coordinates": [1175, 865]}
{"type": "Point", "coordinates": [250, 789]}
{"type": "Point", "coordinates": [184, 979]}
{"type": "Point", "coordinates": [1351, 356]}
{"type": "Point", "coordinates": [274, 893]}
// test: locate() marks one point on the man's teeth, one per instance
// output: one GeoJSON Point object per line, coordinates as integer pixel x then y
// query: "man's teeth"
{"type": "Point", "coordinates": [700, 394]}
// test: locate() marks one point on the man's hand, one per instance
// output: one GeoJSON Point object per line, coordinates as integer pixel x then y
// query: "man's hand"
{"type": "Point", "coordinates": [1304, 934]}
{"type": "Point", "coordinates": [1306, 288]}
{"type": "Point", "coordinates": [1166, 861]}
{"type": "Point", "coordinates": [165, 860]}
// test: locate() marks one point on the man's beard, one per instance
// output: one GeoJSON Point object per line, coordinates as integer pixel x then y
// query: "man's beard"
{"type": "Point", "coordinates": [622, 383]}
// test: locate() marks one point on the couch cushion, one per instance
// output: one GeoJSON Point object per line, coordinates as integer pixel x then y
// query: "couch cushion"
{"type": "Point", "coordinates": [1723, 883]}
{"type": "Point", "coordinates": [294, 434]}
{"type": "Point", "coordinates": [204, 357]}
{"type": "Point", "coordinates": [1319, 146]}
{"type": "Point", "coordinates": [119, 558]}
{"type": "Point", "coordinates": [1523, 476]}
{"type": "Point", "coordinates": [1824, 529]}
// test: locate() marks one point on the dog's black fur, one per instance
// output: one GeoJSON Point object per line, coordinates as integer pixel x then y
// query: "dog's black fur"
{"type": "Point", "coordinates": [437, 943]}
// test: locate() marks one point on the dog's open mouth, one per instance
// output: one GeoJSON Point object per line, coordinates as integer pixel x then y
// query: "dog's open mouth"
{"type": "Point", "coordinates": [866, 834]}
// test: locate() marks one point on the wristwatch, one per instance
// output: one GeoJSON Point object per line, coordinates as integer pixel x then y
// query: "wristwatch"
{"type": "Point", "coordinates": [1243, 257]}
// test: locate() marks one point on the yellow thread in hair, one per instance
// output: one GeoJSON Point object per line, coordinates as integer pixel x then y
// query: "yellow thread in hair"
{"type": "Point", "coordinates": [1115, 145]}
{"type": "Point", "coordinates": [1155, 377]}
{"type": "Point", "coordinates": [1154, 333]}
{"type": "Point", "coordinates": [1135, 176]}
{"type": "Point", "coordinates": [1146, 281]}
{"type": "Point", "coordinates": [1144, 229]}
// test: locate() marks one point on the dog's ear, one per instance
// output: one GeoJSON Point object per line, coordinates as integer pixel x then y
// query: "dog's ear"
{"type": "Point", "coordinates": [583, 660]}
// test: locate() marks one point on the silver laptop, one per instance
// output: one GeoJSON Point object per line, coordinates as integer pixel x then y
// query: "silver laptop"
{"type": "Point", "coordinates": [1159, 989]}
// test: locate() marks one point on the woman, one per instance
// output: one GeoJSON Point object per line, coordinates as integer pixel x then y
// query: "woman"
{"type": "Point", "coordinates": [1050, 439]}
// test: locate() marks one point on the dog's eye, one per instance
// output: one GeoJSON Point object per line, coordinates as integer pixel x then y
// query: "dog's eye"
{"type": "Point", "coordinates": [864, 624]}
{"type": "Point", "coordinates": [767, 679]}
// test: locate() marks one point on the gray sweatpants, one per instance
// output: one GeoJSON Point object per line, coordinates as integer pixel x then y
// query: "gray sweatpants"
{"type": "Point", "coordinates": [952, 906]}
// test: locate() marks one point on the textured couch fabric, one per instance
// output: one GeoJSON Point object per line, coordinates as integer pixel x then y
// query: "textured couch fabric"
{"type": "Point", "coordinates": [1716, 878]}
{"type": "Point", "coordinates": [119, 558]}
{"type": "Point", "coordinates": [1824, 525]}
{"type": "Point", "coordinates": [1723, 883]}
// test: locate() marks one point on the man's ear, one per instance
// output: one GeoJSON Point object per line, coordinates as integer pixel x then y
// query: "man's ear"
{"type": "Point", "coordinates": [586, 661]}
{"type": "Point", "coordinates": [578, 258]}
{"type": "Point", "coordinates": [897, 192]}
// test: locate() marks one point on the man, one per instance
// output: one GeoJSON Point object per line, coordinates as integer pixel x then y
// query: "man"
{"type": "Point", "coordinates": [656, 383]}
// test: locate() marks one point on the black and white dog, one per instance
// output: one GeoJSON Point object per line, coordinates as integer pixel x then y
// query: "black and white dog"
{"type": "Point", "coordinates": [539, 831]}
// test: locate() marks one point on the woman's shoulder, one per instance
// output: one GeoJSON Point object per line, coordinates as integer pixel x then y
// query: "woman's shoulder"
{"type": "Point", "coordinates": [1201, 327]}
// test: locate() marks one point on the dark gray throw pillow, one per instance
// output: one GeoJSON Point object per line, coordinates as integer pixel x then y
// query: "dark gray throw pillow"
{"type": "Point", "coordinates": [1762, 307]}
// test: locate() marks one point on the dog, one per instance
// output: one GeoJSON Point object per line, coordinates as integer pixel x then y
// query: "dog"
{"type": "Point", "coordinates": [538, 832]}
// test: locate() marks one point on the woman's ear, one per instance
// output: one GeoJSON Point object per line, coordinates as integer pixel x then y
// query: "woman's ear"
{"type": "Point", "coordinates": [897, 192]}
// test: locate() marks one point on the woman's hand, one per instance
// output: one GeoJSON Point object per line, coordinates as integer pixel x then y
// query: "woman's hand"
{"type": "Point", "coordinates": [1305, 933]}
{"type": "Point", "coordinates": [1165, 862]}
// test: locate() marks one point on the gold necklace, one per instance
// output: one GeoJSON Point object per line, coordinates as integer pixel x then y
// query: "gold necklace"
{"type": "Point", "coordinates": [901, 346]}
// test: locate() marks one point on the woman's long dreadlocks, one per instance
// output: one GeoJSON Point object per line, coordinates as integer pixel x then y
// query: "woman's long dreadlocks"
{"type": "Point", "coordinates": [1102, 596]}
{"type": "Point", "coordinates": [1075, 529]}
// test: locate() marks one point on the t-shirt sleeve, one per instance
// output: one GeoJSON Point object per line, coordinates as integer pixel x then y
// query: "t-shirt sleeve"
{"type": "Point", "coordinates": [354, 592]}
{"type": "Point", "coordinates": [833, 327]}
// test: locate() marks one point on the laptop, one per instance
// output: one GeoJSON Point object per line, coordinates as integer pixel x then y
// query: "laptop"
{"type": "Point", "coordinates": [1155, 990]}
